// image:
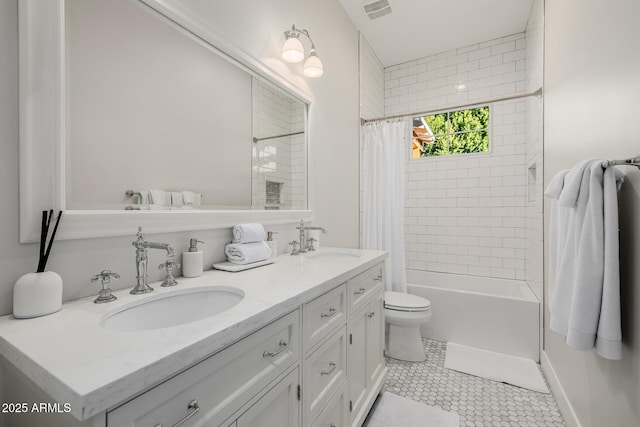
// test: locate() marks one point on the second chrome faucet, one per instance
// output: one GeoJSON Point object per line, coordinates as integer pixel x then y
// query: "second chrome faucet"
{"type": "Point", "coordinates": [304, 247]}
{"type": "Point", "coordinates": [142, 246]}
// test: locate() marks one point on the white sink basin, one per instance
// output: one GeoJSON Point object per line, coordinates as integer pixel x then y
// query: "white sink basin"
{"type": "Point", "coordinates": [332, 254]}
{"type": "Point", "coordinates": [173, 308]}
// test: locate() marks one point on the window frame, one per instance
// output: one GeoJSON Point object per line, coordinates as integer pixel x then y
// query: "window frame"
{"type": "Point", "coordinates": [453, 155]}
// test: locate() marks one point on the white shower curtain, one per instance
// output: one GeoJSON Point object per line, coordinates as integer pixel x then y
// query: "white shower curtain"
{"type": "Point", "coordinates": [383, 160]}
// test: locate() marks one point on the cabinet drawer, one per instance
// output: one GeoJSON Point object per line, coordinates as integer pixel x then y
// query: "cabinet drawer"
{"type": "Point", "coordinates": [335, 414]}
{"type": "Point", "coordinates": [219, 384]}
{"type": "Point", "coordinates": [361, 287]}
{"type": "Point", "coordinates": [323, 315]}
{"type": "Point", "coordinates": [325, 372]}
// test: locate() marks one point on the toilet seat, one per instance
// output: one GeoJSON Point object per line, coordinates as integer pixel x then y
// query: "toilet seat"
{"type": "Point", "coordinates": [399, 301]}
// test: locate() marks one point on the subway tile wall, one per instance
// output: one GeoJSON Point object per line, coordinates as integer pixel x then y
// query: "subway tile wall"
{"type": "Point", "coordinates": [466, 214]}
{"type": "Point", "coordinates": [371, 82]}
{"type": "Point", "coordinates": [534, 159]}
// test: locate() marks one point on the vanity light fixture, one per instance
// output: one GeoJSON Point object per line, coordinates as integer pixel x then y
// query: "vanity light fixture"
{"type": "Point", "coordinates": [293, 51]}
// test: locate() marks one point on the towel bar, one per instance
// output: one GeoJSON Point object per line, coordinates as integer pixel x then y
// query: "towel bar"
{"type": "Point", "coordinates": [634, 161]}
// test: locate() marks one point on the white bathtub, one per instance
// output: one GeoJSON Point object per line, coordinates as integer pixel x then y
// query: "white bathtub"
{"type": "Point", "coordinates": [493, 314]}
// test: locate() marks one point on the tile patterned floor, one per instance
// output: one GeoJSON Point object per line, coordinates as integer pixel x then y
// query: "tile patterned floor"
{"type": "Point", "coordinates": [478, 401]}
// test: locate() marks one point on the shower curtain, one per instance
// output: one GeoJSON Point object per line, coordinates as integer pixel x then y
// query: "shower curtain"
{"type": "Point", "coordinates": [383, 160]}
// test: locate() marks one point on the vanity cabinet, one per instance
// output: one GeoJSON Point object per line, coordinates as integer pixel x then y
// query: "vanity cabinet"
{"type": "Point", "coordinates": [320, 365]}
{"type": "Point", "coordinates": [366, 366]}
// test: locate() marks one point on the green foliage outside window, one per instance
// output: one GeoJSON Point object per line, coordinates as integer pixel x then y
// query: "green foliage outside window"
{"type": "Point", "coordinates": [457, 132]}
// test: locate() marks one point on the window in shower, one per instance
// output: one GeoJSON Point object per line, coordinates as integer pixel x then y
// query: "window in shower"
{"type": "Point", "coordinates": [451, 132]}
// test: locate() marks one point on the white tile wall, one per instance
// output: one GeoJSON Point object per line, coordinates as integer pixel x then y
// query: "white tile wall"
{"type": "Point", "coordinates": [371, 82]}
{"type": "Point", "coordinates": [534, 159]}
{"type": "Point", "coordinates": [467, 214]}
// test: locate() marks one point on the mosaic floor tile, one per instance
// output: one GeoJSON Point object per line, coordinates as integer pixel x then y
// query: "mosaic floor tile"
{"type": "Point", "coordinates": [478, 401]}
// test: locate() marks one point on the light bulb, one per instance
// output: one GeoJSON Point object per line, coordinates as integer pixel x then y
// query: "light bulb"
{"type": "Point", "coordinates": [292, 50]}
{"type": "Point", "coordinates": [313, 66]}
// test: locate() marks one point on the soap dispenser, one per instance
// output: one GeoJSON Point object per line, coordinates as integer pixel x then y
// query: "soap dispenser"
{"type": "Point", "coordinates": [273, 245]}
{"type": "Point", "coordinates": [192, 262]}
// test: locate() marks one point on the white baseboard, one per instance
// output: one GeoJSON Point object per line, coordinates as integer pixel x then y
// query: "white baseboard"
{"type": "Point", "coordinates": [570, 417]}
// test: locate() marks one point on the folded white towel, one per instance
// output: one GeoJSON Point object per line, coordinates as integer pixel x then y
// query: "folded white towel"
{"type": "Point", "coordinates": [246, 253]}
{"type": "Point", "coordinates": [158, 197]}
{"type": "Point", "coordinates": [248, 233]}
{"type": "Point", "coordinates": [187, 197]}
{"type": "Point", "coordinates": [176, 198]}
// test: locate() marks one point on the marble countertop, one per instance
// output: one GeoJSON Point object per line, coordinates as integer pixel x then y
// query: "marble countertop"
{"type": "Point", "coordinates": [74, 360]}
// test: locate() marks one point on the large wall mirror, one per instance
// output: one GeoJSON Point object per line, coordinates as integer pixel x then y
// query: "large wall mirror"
{"type": "Point", "coordinates": [155, 120]}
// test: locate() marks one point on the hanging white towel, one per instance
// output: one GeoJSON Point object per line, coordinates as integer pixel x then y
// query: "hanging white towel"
{"type": "Point", "coordinates": [583, 245]}
{"type": "Point", "coordinates": [609, 336]}
{"type": "Point", "coordinates": [246, 253]}
{"type": "Point", "coordinates": [248, 233]}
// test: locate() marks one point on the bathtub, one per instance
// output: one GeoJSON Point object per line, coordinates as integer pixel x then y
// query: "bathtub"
{"type": "Point", "coordinates": [493, 314]}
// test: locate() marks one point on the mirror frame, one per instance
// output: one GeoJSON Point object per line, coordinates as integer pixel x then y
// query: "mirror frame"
{"type": "Point", "coordinates": [42, 126]}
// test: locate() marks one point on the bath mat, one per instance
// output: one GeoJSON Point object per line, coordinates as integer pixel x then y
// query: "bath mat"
{"type": "Point", "coordinates": [513, 370]}
{"type": "Point", "coordinates": [392, 410]}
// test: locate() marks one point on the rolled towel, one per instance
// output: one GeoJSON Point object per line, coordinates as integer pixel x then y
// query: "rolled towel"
{"type": "Point", "coordinates": [248, 233]}
{"type": "Point", "coordinates": [246, 253]}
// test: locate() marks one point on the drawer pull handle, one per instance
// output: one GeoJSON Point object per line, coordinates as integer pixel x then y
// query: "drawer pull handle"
{"type": "Point", "coordinates": [333, 425]}
{"type": "Point", "coordinates": [332, 312]}
{"type": "Point", "coordinates": [371, 314]}
{"type": "Point", "coordinates": [282, 347]}
{"type": "Point", "coordinates": [332, 367]}
{"type": "Point", "coordinates": [359, 291]}
{"type": "Point", "coordinates": [378, 278]}
{"type": "Point", "coordinates": [193, 407]}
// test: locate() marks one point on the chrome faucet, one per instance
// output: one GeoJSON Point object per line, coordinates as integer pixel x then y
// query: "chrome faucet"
{"type": "Point", "coordinates": [142, 245]}
{"type": "Point", "coordinates": [303, 246]}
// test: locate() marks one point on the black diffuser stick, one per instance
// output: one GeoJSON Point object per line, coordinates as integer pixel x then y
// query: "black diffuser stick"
{"type": "Point", "coordinates": [43, 236]}
{"type": "Point", "coordinates": [45, 256]}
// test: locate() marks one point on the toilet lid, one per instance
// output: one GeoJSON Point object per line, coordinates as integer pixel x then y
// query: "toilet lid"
{"type": "Point", "coordinates": [405, 302]}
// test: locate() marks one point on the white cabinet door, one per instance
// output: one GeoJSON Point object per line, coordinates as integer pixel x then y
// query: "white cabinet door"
{"type": "Point", "coordinates": [357, 367]}
{"type": "Point", "coordinates": [375, 338]}
{"type": "Point", "coordinates": [366, 359]}
{"type": "Point", "coordinates": [279, 407]}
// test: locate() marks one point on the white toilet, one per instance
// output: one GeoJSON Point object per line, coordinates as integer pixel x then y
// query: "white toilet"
{"type": "Point", "coordinates": [403, 315]}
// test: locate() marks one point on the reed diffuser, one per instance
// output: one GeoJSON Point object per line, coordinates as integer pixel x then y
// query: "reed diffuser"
{"type": "Point", "coordinates": [40, 293]}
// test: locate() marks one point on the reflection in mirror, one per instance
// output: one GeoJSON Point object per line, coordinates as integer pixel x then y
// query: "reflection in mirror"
{"type": "Point", "coordinates": [279, 149]}
{"type": "Point", "coordinates": [159, 119]}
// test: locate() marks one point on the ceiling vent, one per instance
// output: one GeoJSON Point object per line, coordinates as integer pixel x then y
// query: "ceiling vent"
{"type": "Point", "coordinates": [376, 8]}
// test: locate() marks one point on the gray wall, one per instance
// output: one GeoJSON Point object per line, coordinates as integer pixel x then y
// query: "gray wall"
{"type": "Point", "coordinates": [592, 93]}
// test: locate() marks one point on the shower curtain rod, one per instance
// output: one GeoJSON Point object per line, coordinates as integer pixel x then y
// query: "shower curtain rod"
{"type": "Point", "coordinates": [256, 140]}
{"type": "Point", "coordinates": [472, 104]}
